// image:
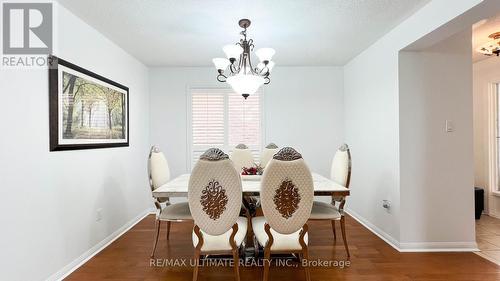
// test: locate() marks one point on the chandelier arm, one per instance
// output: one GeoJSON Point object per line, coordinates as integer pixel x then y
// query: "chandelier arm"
{"type": "Point", "coordinates": [267, 80]}
{"type": "Point", "coordinates": [261, 72]}
{"type": "Point", "coordinates": [234, 69]}
{"type": "Point", "coordinates": [221, 77]}
{"type": "Point", "coordinates": [251, 67]}
{"type": "Point", "coordinates": [250, 45]}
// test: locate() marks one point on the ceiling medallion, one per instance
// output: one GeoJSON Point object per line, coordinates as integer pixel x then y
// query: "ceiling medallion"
{"type": "Point", "coordinates": [492, 47]}
{"type": "Point", "coordinates": [237, 69]}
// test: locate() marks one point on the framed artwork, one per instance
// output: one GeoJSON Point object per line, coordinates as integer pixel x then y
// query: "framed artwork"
{"type": "Point", "coordinates": [86, 110]}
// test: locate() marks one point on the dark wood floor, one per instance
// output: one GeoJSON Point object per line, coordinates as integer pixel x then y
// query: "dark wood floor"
{"type": "Point", "coordinates": [371, 259]}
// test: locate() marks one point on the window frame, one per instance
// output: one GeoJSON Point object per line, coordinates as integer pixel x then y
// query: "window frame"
{"type": "Point", "coordinates": [218, 90]}
{"type": "Point", "coordinates": [493, 133]}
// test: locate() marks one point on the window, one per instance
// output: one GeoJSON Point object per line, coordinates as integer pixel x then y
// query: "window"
{"type": "Point", "coordinates": [493, 149]}
{"type": "Point", "coordinates": [221, 118]}
{"type": "Point", "coordinates": [497, 135]}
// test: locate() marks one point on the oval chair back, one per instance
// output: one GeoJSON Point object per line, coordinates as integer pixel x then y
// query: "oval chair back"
{"type": "Point", "coordinates": [242, 157]}
{"type": "Point", "coordinates": [214, 193]}
{"type": "Point", "coordinates": [341, 166]}
{"type": "Point", "coordinates": [287, 191]}
{"type": "Point", "coordinates": [158, 170]}
{"type": "Point", "coordinates": [267, 154]}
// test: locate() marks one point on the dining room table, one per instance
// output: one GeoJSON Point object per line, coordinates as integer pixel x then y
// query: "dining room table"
{"type": "Point", "coordinates": [178, 187]}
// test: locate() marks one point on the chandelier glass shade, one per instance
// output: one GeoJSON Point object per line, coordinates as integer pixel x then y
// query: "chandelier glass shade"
{"type": "Point", "coordinates": [237, 68]}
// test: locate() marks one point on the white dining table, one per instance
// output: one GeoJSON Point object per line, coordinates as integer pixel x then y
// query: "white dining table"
{"type": "Point", "coordinates": [178, 187]}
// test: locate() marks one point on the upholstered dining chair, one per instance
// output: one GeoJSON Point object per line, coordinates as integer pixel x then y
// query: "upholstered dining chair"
{"type": "Point", "coordinates": [242, 157]}
{"type": "Point", "coordinates": [341, 174]}
{"type": "Point", "coordinates": [267, 154]}
{"type": "Point", "coordinates": [287, 194]}
{"type": "Point", "coordinates": [215, 196]}
{"type": "Point", "coordinates": [159, 174]}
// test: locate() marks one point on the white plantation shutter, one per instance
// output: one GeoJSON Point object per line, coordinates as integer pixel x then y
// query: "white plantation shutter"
{"type": "Point", "coordinates": [223, 119]}
{"type": "Point", "coordinates": [207, 123]}
{"type": "Point", "coordinates": [208, 119]}
{"type": "Point", "coordinates": [244, 120]}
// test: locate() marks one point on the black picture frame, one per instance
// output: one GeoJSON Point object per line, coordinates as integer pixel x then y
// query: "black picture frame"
{"type": "Point", "coordinates": [54, 109]}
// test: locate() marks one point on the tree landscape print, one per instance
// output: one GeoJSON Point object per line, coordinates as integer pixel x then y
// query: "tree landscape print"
{"type": "Point", "coordinates": [91, 110]}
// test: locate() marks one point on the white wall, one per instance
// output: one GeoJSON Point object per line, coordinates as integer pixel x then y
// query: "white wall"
{"type": "Point", "coordinates": [436, 172]}
{"type": "Point", "coordinates": [303, 108]}
{"type": "Point", "coordinates": [371, 86]}
{"type": "Point", "coordinates": [485, 72]}
{"type": "Point", "coordinates": [49, 199]}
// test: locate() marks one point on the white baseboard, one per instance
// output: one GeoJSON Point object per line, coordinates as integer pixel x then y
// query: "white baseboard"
{"type": "Point", "coordinates": [487, 257]}
{"type": "Point", "coordinates": [439, 247]}
{"type": "Point", "coordinates": [493, 215]}
{"type": "Point", "coordinates": [414, 247]}
{"type": "Point", "coordinates": [74, 265]}
{"type": "Point", "coordinates": [374, 229]}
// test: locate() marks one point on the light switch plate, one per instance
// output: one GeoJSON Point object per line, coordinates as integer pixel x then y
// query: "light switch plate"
{"type": "Point", "coordinates": [449, 126]}
{"type": "Point", "coordinates": [98, 216]}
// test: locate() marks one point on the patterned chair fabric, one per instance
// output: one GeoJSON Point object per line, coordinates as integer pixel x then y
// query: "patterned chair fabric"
{"type": "Point", "coordinates": [287, 192]}
{"type": "Point", "coordinates": [267, 154]}
{"type": "Point", "coordinates": [242, 157]}
{"type": "Point", "coordinates": [214, 193]}
{"type": "Point", "coordinates": [341, 166]}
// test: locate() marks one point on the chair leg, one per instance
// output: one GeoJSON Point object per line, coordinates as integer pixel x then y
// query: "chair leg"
{"type": "Point", "coordinates": [305, 256]}
{"type": "Point", "coordinates": [267, 250]}
{"type": "Point", "coordinates": [168, 229]}
{"type": "Point", "coordinates": [250, 233]}
{"type": "Point", "coordinates": [334, 231]}
{"type": "Point", "coordinates": [197, 261]}
{"type": "Point", "coordinates": [236, 260]}
{"type": "Point", "coordinates": [267, 262]}
{"type": "Point", "coordinates": [158, 223]}
{"type": "Point", "coordinates": [197, 251]}
{"type": "Point", "coordinates": [342, 226]}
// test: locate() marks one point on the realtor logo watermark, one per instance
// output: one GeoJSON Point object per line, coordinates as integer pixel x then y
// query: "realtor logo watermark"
{"type": "Point", "coordinates": [27, 34]}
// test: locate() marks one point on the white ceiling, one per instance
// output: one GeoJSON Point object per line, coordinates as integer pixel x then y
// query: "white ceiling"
{"type": "Point", "coordinates": [191, 33]}
{"type": "Point", "coordinates": [481, 31]}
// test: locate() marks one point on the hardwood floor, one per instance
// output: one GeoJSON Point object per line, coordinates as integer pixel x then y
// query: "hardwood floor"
{"type": "Point", "coordinates": [371, 259]}
{"type": "Point", "coordinates": [488, 238]}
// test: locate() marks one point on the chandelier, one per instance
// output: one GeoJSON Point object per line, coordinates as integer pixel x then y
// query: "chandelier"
{"type": "Point", "coordinates": [492, 47]}
{"type": "Point", "coordinates": [237, 69]}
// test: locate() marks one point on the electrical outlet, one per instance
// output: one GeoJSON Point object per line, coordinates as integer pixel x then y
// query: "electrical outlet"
{"type": "Point", "coordinates": [98, 216]}
{"type": "Point", "coordinates": [386, 204]}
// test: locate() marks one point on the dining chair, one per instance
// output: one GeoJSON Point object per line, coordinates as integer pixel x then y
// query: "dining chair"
{"type": "Point", "coordinates": [341, 174]}
{"type": "Point", "coordinates": [159, 174]}
{"type": "Point", "coordinates": [215, 196]}
{"type": "Point", "coordinates": [242, 157]}
{"type": "Point", "coordinates": [287, 194]}
{"type": "Point", "coordinates": [267, 154]}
